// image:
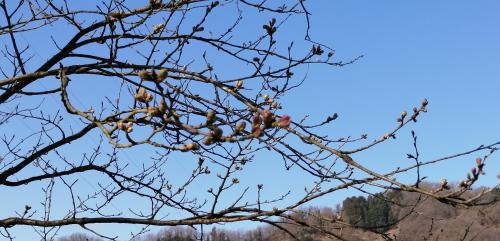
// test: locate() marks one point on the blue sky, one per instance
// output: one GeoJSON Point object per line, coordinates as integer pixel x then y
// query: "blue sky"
{"type": "Point", "coordinates": [445, 51]}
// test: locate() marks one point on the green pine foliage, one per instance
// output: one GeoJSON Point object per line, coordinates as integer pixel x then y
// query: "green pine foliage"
{"type": "Point", "coordinates": [372, 213]}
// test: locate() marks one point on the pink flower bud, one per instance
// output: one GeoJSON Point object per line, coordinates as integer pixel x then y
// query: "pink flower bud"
{"type": "Point", "coordinates": [268, 118]}
{"type": "Point", "coordinates": [478, 161]}
{"type": "Point", "coordinates": [256, 119]}
{"type": "Point", "coordinates": [284, 121]}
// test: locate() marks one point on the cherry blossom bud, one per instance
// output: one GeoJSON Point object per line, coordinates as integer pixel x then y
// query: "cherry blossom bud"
{"type": "Point", "coordinates": [257, 132]}
{"type": "Point", "coordinates": [217, 133]}
{"type": "Point", "coordinates": [268, 118]}
{"type": "Point", "coordinates": [144, 75]}
{"type": "Point", "coordinates": [210, 117]}
{"type": "Point", "coordinates": [239, 84]}
{"type": "Point", "coordinates": [208, 140]}
{"type": "Point", "coordinates": [162, 107]}
{"type": "Point", "coordinates": [193, 146]}
{"type": "Point", "coordinates": [161, 75]}
{"type": "Point", "coordinates": [158, 27]}
{"type": "Point", "coordinates": [284, 121]}
{"type": "Point", "coordinates": [120, 125]}
{"type": "Point", "coordinates": [425, 102]}
{"type": "Point", "coordinates": [478, 161]}
{"type": "Point", "coordinates": [256, 119]}
{"type": "Point", "coordinates": [240, 127]}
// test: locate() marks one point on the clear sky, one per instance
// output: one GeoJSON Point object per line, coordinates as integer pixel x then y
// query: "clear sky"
{"type": "Point", "coordinates": [445, 51]}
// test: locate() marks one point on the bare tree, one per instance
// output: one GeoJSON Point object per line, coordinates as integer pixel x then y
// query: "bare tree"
{"type": "Point", "coordinates": [191, 81]}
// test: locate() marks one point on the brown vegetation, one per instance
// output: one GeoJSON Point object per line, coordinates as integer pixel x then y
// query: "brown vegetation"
{"type": "Point", "coordinates": [416, 218]}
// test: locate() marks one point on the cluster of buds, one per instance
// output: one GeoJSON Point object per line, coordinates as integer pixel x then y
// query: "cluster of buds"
{"type": "Point", "coordinates": [215, 135]}
{"type": "Point", "coordinates": [402, 117]}
{"type": "Point", "coordinates": [478, 169]}
{"type": "Point", "coordinates": [271, 102]}
{"type": "Point", "coordinates": [127, 127]}
{"type": "Point", "coordinates": [157, 111]}
{"type": "Point", "coordinates": [267, 99]}
{"type": "Point", "coordinates": [143, 96]}
{"type": "Point", "coordinates": [240, 127]}
{"type": "Point", "coordinates": [270, 28]}
{"type": "Point", "coordinates": [474, 174]}
{"type": "Point", "coordinates": [266, 120]}
{"type": "Point", "coordinates": [256, 125]}
{"type": "Point", "coordinates": [423, 108]}
{"type": "Point", "coordinates": [210, 117]}
{"type": "Point", "coordinates": [158, 28]}
{"type": "Point", "coordinates": [156, 77]}
{"type": "Point", "coordinates": [464, 184]}
{"type": "Point", "coordinates": [316, 50]}
{"type": "Point", "coordinates": [444, 184]}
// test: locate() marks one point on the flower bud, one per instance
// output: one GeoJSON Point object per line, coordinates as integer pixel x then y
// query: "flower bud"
{"type": "Point", "coordinates": [149, 97]}
{"type": "Point", "coordinates": [144, 75]}
{"type": "Point", "coordinates": [284, 121]}
{"type": "Point", "coordinates": [478, 161]}
{"type": "Point", "coordinates": [129, 127]}
{"type": "Point", "coordinates": [158, 28]}
{"type": "Point", "coordinates": [161, 75]}
{"type": "Point", "coordinates": [120, 125]}
{"type": "Point", "coordinates": [240, 127]}
{"type": "Point", "coordinates": [162, 107]}
{"type": "Point", "coordinates": [268, 117]}
{"type": "Point", "coordinates": [425, 102]}
{"type": "Point", "coordinates": [217, 133]}
{"type": "Point", "coordinates": [208, 140]}
{"type": "Point", "coordinates": [257, 132]}
{"type": "Point", "coordinates": [153, 111]}
{"type": "Point", "coordinates": [143, 96]}
{"type": "Point", "coordinates": [116, 15]}
{"type": "Point", "coordinates": [256, 119]}
{"type": "Point", "coordinates": [210, 117]}
{"type": "Point", "coordinates": [239, 84]}
{"type": "Point", "coordinates": [190, 147]}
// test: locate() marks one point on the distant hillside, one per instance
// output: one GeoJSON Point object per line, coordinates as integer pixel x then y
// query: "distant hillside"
{"type": "Point", "coordinates": [397, 215]}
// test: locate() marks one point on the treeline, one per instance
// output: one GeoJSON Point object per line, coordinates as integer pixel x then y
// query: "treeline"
{"type": "Point", "coordinates": [373, 212]}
